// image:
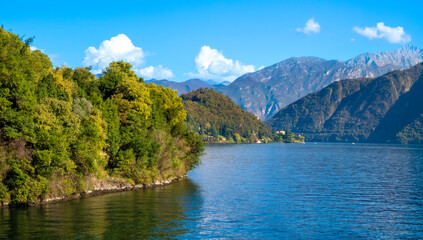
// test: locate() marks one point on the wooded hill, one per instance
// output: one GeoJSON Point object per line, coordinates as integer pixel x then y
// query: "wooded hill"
{"type": "Point", "coordinates": [218, 119]}
{"type": "Point", "coordinates": [61, 129]}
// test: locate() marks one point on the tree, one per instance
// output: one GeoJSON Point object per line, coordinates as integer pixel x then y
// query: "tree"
{"type": "Point", "coordinates": [63, 126]}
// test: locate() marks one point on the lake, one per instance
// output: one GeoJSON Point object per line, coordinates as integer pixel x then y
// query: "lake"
{"type": "Point", "coordinates": [253, 191]}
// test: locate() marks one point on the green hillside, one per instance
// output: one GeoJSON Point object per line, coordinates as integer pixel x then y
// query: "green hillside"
{"type": "Point", "coordinates": [218, 119]}
{"type": "Point", "coordinates": [62, 129]}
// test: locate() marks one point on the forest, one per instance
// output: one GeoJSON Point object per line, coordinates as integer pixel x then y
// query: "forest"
{"type": "Point", "coordinates": [63, 128]}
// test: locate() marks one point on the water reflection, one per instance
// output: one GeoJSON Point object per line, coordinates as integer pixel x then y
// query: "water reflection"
{"type": "Point", "coordinates": [154, 213]}
{"type": "Point", "coordinates": [270, 191]}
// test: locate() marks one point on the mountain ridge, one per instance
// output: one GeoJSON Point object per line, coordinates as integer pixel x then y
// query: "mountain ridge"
{"type": "Point", "coordinates": [383, 109]}
{"type": "Point", "coordinates": [266, 91]}
{"type": "Point", "coordinates": [182, 87]}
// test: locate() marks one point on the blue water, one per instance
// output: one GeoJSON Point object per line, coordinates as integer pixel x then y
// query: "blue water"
{"type": "Point", "coordinates": [255, 191]}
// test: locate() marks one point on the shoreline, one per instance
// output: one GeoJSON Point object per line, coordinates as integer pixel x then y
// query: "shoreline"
{"type": "Point", "coordinates": [102, 187]}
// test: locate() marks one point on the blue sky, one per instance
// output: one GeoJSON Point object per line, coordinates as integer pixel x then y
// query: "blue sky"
{"type": "Point", "coordinates": [211, 39]}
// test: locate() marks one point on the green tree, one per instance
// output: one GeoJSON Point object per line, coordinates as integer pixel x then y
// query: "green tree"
{"type": "Point", "coordinates": [62, 129]}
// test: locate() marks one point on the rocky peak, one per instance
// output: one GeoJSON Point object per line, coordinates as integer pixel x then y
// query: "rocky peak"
{"type": "Point", "coordinates": [404, 57]}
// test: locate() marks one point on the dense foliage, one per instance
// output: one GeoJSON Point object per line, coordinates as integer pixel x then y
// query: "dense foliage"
{"type": "Point", "coordinates": [218, 119]}
{"type": "Point", "coordinates": [62, 128]}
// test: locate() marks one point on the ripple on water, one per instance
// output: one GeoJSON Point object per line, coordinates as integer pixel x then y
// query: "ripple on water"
{"type": "Point", "coordinates": [262, 191]}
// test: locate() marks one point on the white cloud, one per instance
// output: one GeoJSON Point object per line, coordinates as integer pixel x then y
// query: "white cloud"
{"type": "Point", "coordinates": [310, 27]}
{"type": "Point", "coordinates": [116, 49]}
{"type": "Point", "coordinates": [390, 34]}
{"type": "Point", "coordinates": [158, 72]}
{"type": "Point", "coordinates": [211, 64]}
{"type": "Point", "coordinates": [260, 68]}
{"type": "Point", "coordinates": [120, 48]}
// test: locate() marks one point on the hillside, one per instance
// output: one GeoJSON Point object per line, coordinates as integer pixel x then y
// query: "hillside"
{"type": "Point", "coordinates": [64, 132]}
{"type": "Point", "coordinates": [384, 109]}
{"type": "Point", "coordinates": [268, 90]}
{"type": "Point", "coordinates": [218, 119]}
{"type": "Point", "coordinates": [214, 114]}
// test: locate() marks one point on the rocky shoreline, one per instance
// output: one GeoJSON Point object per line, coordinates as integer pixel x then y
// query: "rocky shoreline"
{"type": "Point", "coordinates": [111, 185]}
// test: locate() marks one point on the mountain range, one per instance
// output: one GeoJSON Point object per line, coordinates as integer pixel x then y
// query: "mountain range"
{"type": "Point", "coordinates": [189, 85]}
{"type": "Point", "coordinates": [182, 87]}
{"type": "Point", "coordinates": [374, 97]}
{"type": "Point", "coordinates": [268, 90]}
{"type": "Point", "coordinates": [383, 109]}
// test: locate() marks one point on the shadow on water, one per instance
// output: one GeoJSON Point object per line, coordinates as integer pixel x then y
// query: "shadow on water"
{"type": "Point", "coordinates": [160, 212]}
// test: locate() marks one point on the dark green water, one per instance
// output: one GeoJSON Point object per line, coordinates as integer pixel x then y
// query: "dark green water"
{"type": "Point", "coordinates": [269, 191]}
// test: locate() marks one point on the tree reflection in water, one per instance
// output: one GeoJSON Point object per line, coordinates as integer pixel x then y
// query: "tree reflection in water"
{"type": "Point", "coordinates": [162, 212]}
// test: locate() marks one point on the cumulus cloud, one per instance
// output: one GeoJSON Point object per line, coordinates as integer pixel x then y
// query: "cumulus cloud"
{"type": "Point", "coordinates": [158, 72]}
{"type": "Point", "coordinates": [121, 48]}
{"type": "Point", "coordinates": [390, 34]}
{"type": "Point", "coordinates": [116, 49]}
{"type": "Point", "coordinates": [211, 64]}
{"type": "Point", "coordinates": [310, 27]}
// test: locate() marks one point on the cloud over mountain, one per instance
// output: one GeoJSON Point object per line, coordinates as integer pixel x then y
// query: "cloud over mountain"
{"type": "Point", "coordinates": [211, 64]}
{"type": "Point", "coordinates": [381, 31]}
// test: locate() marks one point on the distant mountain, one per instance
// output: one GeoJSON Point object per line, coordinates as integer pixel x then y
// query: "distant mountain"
{"type": "Point", "coordinates": [182, 87]}
{"type": "Point", "coordinates": [268, 90]}
{"type": "Point", "coordinates": [211, 82]}
{"type": "Point", "coordinates": [225, 83]}
{"type": "Point", "coordinates": [384, 109]}
{"type": "Point", "coordinates": [214, 83]}
{"type": "Point", "coordinates": [189, 85]}
{"type": "Point", "coordinates": [222, 84]}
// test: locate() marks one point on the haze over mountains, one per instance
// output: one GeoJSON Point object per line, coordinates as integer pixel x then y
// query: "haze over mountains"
{"type": "Point", "coordinates": [384, 109]}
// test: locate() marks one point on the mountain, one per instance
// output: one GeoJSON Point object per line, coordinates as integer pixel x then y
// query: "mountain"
{"type": "Point", "coordinates": [189, 85]}
{"type": "Point", "coordinates": [224, 83]}
{"type": "Point", "coordinates": [383, 109]}
{"type": "Point", "coordinates": [268, 90]}
{"type": "Point", "coordinates": [218, 119]}
{"type": "Point", "coordinates": [211, 82]}
{"type": "Point", "coordinates": [182, 87]}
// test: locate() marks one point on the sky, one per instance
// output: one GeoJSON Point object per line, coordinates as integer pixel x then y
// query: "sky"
{"type": "Point", "coordinates": [218, 40]}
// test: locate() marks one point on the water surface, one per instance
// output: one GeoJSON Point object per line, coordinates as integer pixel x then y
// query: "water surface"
{"type": "Point", "coordinates": [253, 191]}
